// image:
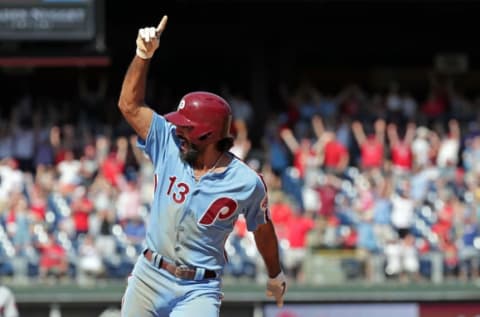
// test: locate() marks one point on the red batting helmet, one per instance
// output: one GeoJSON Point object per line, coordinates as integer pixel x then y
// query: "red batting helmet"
{"type": "Point", "coordinates": [208, 114]}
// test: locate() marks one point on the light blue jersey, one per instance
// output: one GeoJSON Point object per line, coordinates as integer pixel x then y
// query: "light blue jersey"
{"type": "Point", "coordinates": [188, 225]}
{"type": "Point", "coordinates": [190, 220]}
{"type": "Point", "coordinates": [179, 272]}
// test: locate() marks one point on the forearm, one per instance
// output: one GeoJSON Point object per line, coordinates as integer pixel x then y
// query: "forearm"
{"type": "Point", "coordinates": [290, 141]}
{"type": "Point", "coordinates": [380, 136]}
{"type": "Point", "coordinates": [267, 244]}
{"type": "Point", "coordinates": [343, 163]}
{"type": "Point", "coordinates": [359, 136]}
{"type": "Point", "coordinates": [132, 95]}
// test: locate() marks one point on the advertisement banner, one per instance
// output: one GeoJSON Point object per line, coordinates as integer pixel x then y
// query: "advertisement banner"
{"type": "Point", "coordinates": [449, 309]}
{"type": "Point", "coordinates": [343, 310]}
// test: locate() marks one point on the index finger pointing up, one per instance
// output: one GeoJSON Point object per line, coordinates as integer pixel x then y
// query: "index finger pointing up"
{"type": "Point", "coordinates": [161, 26]}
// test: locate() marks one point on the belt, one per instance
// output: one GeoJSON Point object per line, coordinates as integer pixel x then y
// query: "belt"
{"type": "Point", "coordinates": [180, 271]}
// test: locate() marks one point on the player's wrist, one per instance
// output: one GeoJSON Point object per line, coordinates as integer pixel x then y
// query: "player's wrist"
{"type": "Point", "coordinates": [279, 278]}
{"type": "Point", "coordinates": [142, 54]}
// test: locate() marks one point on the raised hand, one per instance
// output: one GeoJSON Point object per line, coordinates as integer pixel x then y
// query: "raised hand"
{"type": "Point", "coordinates": [148, 39]}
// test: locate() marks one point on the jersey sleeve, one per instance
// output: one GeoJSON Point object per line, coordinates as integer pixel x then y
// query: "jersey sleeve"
{"type": "Point", "coordinates": [157, 138]}
{"type": "Point", "coordinates": [257, 212]}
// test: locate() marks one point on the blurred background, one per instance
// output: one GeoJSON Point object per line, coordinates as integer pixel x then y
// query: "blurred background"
{"type": "Point", "coordinates": [362, 116]}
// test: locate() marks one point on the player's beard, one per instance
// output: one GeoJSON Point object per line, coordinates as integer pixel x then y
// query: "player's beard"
{"type": "Point", "coordinates": [191, 154]}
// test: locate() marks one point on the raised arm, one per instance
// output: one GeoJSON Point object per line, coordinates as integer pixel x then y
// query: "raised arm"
{"type": "Point", "coordinates": [392, 134]}
{"type": "Point", "coordinates": [287, 136]}
{"type": "Point", "coordinates": [410, 134]}
{"type": "Point", "coordinates": [317, 125]}
{"type": "Point", "coordinates": [358, 132]}
{"type": "Point", "coordinates": [454, 129]}
{"type": "Point", "coordinates": [132, 96]}
{"type": "Point", "coordinates": [379, 126]}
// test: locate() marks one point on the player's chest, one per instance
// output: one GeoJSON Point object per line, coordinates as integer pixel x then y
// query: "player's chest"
{"type": "Point", "coordinates": [207, 201]}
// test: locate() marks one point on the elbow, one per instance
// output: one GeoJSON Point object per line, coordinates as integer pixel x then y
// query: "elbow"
{"type": "Point", "coordinates": [127, 107]}
{"type": "Point", "coordinates": [124, 109]}
{"type": "Point", "coordinates": [123, 103]}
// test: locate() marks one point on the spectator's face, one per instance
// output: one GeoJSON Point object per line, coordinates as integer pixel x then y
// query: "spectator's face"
{"type": "Point", "coordinates": [410, 239]}
{"type": "Point", "coordinates": [102, 143]}
{"type": "Point", "coordinates": [21, 205]}
{"type": "Point", "coordinates": [13, 164]}
{"type": "Point", "coordinates": [88, 240]}
{"type": "Point", "coordinates": [329, 136]}
{"type": "Point", "coordinates": [305, 144]}
{"type": "Point", "coordinates": [69, 156]}
{"type": "Point", "coordinates": [89, 151]}
{"type": "Point", "coordinates": [122, 142]}
{"type": "Point", "coordinates": [476, 142]}
{"type": "Point", "coordinates": [68, 130]}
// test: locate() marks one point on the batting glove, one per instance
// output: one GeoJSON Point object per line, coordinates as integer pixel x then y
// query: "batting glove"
{"type": "Point", "coordinates": [276, 288]}
{"type": "Point", "coordinates": [148, 39]}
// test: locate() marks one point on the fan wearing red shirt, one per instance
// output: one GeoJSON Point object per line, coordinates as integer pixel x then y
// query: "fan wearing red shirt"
{"type": "Point", "coordinates": [333, 154]}
{"type": "Point", "coordinates": [435, 106]}
{"type": "Point", "coordinates": [304, 154]}
{"type": "Point", "coordinates": [53, 258]}
{"type": "Point", "coordinates": [280, 213]}
{"type": "Point", "coordinates": [401, 149]}
{"type": "Point", "coordinates": [294, 254]}
{"type": "Point", "coordinates": [81, 207]}
{"type": "Point", "coordinates": [371, 146]}
{"type": "Point", "coordinates": [327, 192]}
{"type": "Point", "coordinates": [112, 168]}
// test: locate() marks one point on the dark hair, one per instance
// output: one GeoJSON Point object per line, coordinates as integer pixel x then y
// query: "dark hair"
{"type": "Point", "coordinates": [225, 144]}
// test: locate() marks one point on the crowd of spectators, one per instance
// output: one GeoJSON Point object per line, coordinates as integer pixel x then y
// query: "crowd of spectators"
{"type": "Point", "coordinates": [381, 174]}
{"type": "Point", "coordinates": [385, 175]}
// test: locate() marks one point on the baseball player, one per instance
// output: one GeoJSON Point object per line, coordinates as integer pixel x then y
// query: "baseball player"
{"type": "Point", "coordinates": [200, 190]}
{"type": "Point", "coordinates": [8, 305]}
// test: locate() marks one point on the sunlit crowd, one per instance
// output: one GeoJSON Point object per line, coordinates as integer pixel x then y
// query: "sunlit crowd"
{"type": "Point", "coordinates": [386, 182]}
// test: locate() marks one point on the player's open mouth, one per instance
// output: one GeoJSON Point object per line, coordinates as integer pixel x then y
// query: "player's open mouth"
{"type": "Point", "coordinates": [183, 143]}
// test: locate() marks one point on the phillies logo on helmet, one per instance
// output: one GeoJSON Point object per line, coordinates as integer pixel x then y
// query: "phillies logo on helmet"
{"type": "Point", "coordinates": [181, 105]}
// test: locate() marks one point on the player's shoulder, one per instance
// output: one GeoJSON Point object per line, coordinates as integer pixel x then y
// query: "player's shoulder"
{"type": "Point", "coordinates": [160, 121]}
{"type": "Point", "coordinates": [248, 173]}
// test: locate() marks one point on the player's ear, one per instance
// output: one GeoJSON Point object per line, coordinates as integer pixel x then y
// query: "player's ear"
{"type": "Point", "coordinates": [225, 144]}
